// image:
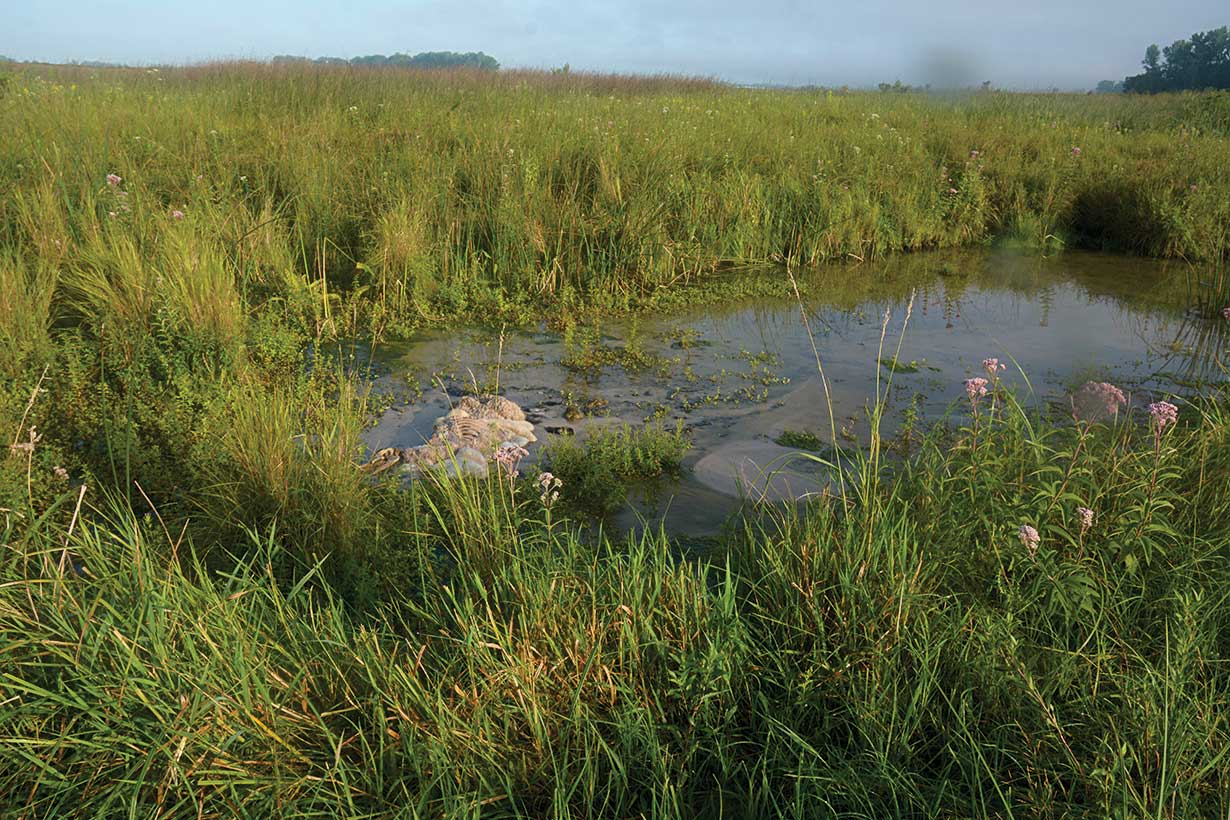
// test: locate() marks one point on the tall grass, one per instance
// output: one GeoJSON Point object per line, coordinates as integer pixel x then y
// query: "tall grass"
{"type": "Point", "coordinates": [905, 655]}
{"type": "Point", "coordinates": [416, 196]}
{"type": "Point", "coordinates": [206, 610]}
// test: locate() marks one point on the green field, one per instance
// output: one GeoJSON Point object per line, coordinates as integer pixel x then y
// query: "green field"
{"type": "Point", "coordinates": [206, 610]}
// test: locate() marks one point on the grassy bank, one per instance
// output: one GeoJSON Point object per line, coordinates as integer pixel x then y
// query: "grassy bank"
{"type": "Point", "coordinates": [387, 198]}
{"type": "Point", "coordinates": [206, 610]}
{"type": "Point", "coordinates": [909, 653]}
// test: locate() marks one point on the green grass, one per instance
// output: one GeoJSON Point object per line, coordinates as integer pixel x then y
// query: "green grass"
{"type": "Point", "coordinates": [902, 655]}
{"type": "Point", "coordinates": [598, 470]}
{"type": "Point", "coordinates": [385, 200]}
{"type": "Point", "coordinates": [206, 611]}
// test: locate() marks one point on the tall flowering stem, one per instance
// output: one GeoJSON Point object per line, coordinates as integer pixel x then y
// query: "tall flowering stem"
{"type": "Point", "coordinates": [1162, 414]}
{"type": "Point", "coordinates": [1086, 516]}
{"type": "Point", "coordinates": [548, 492]}
{"type": "Point", "coordinates": [1029, 539]}
{"type": "Point", "coordinates": [976, 391]}
{"type": "Point", "coordinates": [507, 457]}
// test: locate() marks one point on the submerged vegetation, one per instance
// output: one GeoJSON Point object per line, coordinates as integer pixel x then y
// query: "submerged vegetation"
{"type": "Point", "coordinates": [206, 610]}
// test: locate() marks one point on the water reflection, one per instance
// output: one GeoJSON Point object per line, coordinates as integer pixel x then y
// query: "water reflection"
{"type": "Point", "coordinates": [740, 373]}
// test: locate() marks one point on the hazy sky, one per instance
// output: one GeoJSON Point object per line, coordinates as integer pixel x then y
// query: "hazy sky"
{"type": "Point", "coordinates": [1022, 44]}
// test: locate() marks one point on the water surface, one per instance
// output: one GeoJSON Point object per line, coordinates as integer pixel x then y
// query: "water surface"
{"type": "Point", "coordinates": [739, 374]}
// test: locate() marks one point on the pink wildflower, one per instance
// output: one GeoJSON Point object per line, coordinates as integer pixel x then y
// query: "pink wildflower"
{"type": "Point", "coordinates": [508, 456]}
{"type": "Point", "coordinates": [177, 215]}
{"type": "Point", "coordinates": [1029, 538]}
{"type": "Point", "coordinates": [976, 388]}
{"type": "Point", "coordinates": [1086, 516]}
{"type": "Point", "coordinates": [993, 367]}
{"type": "Point", "coordinates": [113, 180]}
{"type": "Point", "coordinates": [1076, 152]}
{"type": "Point", "coordinates": [1097, 399]}
{"type": "Point", "coordinates": [952, 191]}
{"type": "Point", "coordinates": [548, 486]}
{"type": "Point", "coordinates": [1163, 414]}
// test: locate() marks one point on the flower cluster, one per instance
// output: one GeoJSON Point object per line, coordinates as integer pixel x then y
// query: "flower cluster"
{"type": "Point", "coordinates": [976, 388]}
{"type": "Point", "coordinates": [1163, 414]}
{"type": "Point", "coordinates": [121, 197]}
{"type": "Point", "coordinates": [993, 367]}
{"type": "Point", "coordinates": [177, 215]}
{"type": "Point", "coordinates": [1076, 152]}
{"type": "Point", "coordinates": [508, 456]}
{"type": "Point", "coordinates": [1029, 538]}
{"type": "Point", "coordinates": [1097, 399]}
{"type": "Point", "coordinates": [548, 488]}
{"type": "Point", "coordinates": [1086, 517]}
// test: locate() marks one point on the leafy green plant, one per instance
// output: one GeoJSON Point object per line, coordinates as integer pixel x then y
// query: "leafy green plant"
{"type": "Point", "coordinates": [597, 470]}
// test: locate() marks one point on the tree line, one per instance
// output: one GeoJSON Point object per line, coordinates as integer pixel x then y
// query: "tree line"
{"type": "Point", "coordinates": [1202, 62]}
{"type": "Point", "coordinates": [426, 59]}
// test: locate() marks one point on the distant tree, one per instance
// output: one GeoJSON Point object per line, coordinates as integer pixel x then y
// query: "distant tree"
{"type": "Point", "coordinates": [1152, 55]}
{"type": "Point", "coordinates": [430, 59]}
{"type": "Point", "coordinates": [1199, 63]}
{"type": "Point", "coordinates": [898, 87]}
{"type": "Point", "coordinates": [451, 59]}
{"type": "Point", "coordinates": [1110, 87]}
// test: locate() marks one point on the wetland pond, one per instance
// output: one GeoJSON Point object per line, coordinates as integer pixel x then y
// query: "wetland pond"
{"type": "Point", "coordinates": [741, 376]}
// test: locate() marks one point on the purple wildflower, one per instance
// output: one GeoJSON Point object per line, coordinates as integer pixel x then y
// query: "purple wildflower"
{"type": "Point", "coordinates": [1086, 516]}
{"type": "Point", "coordinates": [993, 367]}
{"type": "Point", "coordinates": [1163, 414]}
{"type": "Point", "coordinates": [113, 179]}
{"type": "Point", "coordinates": [1029, 538]}
{"type": "Point", "coordinates": [508, 456]}
{"type": "Point", "coordinates": [976, 388]}
{"type": "Point", "coordinates": [1097, 399]}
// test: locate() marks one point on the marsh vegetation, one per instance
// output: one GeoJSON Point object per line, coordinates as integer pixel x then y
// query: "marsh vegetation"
{"type": "Point", "coordinates": [206, 609]}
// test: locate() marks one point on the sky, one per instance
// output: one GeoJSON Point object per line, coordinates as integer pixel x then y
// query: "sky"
{"type": "Point", "coordinates": [1027, 44]}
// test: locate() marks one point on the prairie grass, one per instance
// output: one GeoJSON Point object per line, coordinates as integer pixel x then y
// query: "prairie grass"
{"type": "Point", "coordinates": [405, 197]}
{"type": "Point", "coordinates": [206, 611]}
{"type": "Point", "coordinates": [905, 654]}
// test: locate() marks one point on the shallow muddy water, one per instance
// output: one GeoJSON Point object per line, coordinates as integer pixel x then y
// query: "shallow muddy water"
{"type": "Point", "coordinates": [740, 374]}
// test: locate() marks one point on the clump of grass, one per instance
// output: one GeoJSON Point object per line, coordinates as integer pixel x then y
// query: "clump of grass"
{"type": "Point", "coordinates": [802, 440]}
{"type": "Point", "coordinates": [27, 291]}
{"type": "Point", "coordinates": [598, 469]}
